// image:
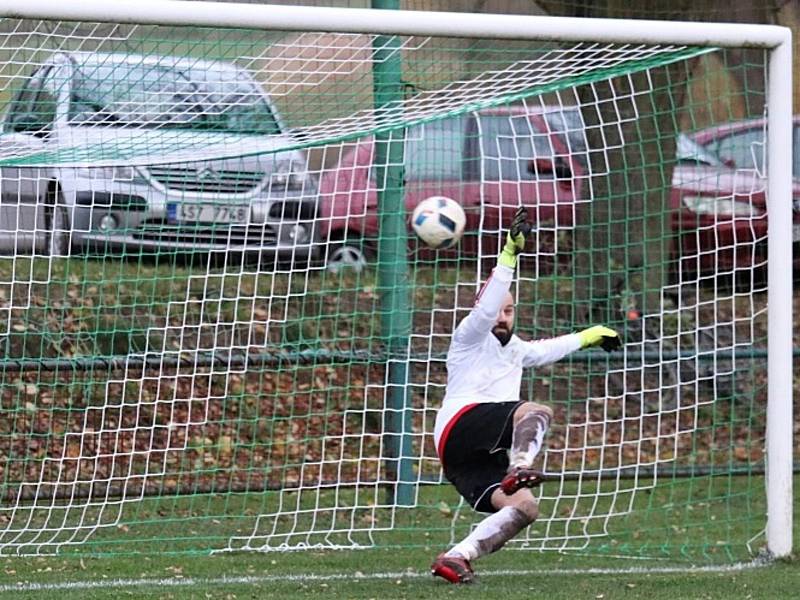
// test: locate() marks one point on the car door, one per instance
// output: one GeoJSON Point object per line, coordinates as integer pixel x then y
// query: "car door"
{"type": "Point", "coordinates": [23, 191]}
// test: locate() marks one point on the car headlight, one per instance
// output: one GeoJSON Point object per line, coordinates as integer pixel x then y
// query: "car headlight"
{"type": "Point", "coordinates": [109, 173]}
{"type": "Point", "coordinates": [288, 175]}
{"type": "Point", "coordinates": [710, 205]}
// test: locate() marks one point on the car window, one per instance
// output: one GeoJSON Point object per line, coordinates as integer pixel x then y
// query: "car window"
{"type": "Point", "coordinates": [796, 152]}
{"type": "Point", "coordinates": [745, 149]}
{"type": "Point", "coordinates": [508, 145]}
{"type": "Point", "coordinates": [155, 96]}
{"type": "Point", "coordinates": [435, 150]}
{"type": "Point", "coordinates": [35, 107]}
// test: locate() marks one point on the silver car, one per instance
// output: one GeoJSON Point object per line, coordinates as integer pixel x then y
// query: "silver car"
{"type": "Point", "coordinates": [151, 154]}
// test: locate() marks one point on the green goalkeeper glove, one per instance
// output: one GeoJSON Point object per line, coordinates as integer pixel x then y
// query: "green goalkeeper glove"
{"type": "Point", "coordinates": [515, 240]}
{"type": "Point", "coordinates": [606, 338]}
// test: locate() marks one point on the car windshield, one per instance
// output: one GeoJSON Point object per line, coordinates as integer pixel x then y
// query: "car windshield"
{"type": "Point", "coordinates": [137, 95]}
{"type": "Point", "coordinates": [689, 151]}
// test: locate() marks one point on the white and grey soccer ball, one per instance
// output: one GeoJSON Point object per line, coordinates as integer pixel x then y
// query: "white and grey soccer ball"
{"type": "Point", "coordinates": [439, 222]}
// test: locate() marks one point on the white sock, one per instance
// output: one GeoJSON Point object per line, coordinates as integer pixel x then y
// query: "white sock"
{"type": "Point", "coordinates": [527, 439]}
{"type": "Point", "coordinates": [491, 534]}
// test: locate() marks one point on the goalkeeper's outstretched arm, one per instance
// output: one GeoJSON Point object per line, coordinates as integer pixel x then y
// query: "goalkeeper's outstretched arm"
{"type": "Point", "coordinates": [545, 352]}
{"type": "Point", "coordinates": [483, 316]}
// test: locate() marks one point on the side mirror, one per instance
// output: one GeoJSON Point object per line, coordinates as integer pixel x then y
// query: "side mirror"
{"type": "Point", "coordinates": [29, 122]}
{"type": "Point", "coordinates": [558, 167]}
{"type": "Point", "coordinates": [563, 170]}
{"type": "Point", "coordinates": [539, 166]}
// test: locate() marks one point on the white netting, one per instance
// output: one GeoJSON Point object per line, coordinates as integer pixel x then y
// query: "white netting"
{"type": "Point", "coordinates": [165, 109]}
{"type": "Point", "coordinates": [263, 382]}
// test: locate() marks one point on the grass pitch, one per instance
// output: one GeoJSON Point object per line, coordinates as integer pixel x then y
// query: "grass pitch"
{"type": "Point", "coordinates": [386, 573]}
{"type": "Point", "coordinates": [401, 571]}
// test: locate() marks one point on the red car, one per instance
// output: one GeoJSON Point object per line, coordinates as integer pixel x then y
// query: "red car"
{"type": "Point", "coordinates": [719, 199]}
{"type": "Point", "coordinates": [490, 161]}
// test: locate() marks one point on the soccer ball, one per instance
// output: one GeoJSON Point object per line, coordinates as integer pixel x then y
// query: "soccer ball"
{"type": "Point", "coordinates": [439, 221]}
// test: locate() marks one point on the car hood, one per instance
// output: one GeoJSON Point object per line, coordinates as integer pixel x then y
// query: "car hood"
{"type": "Point", "coordinates": [83, 146]}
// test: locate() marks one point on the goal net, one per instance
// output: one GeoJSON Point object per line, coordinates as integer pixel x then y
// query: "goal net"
{"type": "Point", "coordinates": [219, 333]}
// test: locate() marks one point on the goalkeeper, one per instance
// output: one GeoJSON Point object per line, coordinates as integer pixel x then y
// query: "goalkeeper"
{"type": "Point", "coordinates": [486, 438]}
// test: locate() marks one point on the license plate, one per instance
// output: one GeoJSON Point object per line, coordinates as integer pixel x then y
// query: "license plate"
{"type": "Point", "coordinates": [796, 232]}
{"type": "Point", "coordinates": [208, 213]}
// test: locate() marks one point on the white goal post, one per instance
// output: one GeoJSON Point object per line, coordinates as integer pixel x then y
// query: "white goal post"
{"type": "Point", "coordinates": [777, 41]}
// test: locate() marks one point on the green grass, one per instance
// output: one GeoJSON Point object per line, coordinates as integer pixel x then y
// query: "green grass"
{"type": "Point", "coordinates": [400, 571]}
{"type": "Point", "coordinates": [389, 574]}
{"type": "Point", "coordinates": [703, 519]}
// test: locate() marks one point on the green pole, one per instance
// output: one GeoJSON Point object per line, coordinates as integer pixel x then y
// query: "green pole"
{"type": "Point", "coordinates": [393, 263]}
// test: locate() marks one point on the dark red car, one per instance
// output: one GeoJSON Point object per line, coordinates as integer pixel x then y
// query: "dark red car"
{"type": "Point", "coordinates": [719, 199]}
{"type": "Point", "coordinates": [490, 161]}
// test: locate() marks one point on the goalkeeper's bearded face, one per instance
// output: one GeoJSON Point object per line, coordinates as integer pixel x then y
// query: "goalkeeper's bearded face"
{"type": "Point", "coordinates": [504, 326]}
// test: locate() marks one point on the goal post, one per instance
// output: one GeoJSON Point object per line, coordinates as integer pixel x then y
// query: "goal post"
{"type": "Point", "coordinates": [780, 409]}
{"type": "Point", "coordinates": [213, 363]}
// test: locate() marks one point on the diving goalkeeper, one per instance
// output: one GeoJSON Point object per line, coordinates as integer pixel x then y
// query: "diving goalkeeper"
{"type": "Point", "coordinates": [486, 438]}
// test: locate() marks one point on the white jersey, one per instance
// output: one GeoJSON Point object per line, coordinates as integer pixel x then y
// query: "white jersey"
{"type": "Point", "coordinates": [479, 368]}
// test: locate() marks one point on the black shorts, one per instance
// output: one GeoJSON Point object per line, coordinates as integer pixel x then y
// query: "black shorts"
{"type": "Point", "coordinates": [475, 454]}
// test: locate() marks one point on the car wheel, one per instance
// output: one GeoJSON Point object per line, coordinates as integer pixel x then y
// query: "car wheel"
{"type": "Point", "coordinates": [346, 254]}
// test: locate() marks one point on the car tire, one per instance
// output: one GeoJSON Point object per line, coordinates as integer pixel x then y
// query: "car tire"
{"type": "Point", "coordinates": [57, 242]}
{"type": "Point", "coordinates": [349, 253]}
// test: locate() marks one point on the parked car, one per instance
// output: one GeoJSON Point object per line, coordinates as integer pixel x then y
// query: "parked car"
{"type": "Point", "coordinates": [719, 199]}
{"type": "Point", "coordinates": [78, 107]}
{"type": "Point", "coordinates": [490, 161]}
